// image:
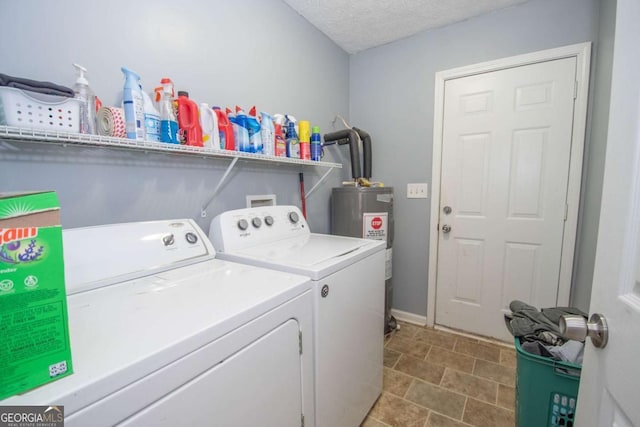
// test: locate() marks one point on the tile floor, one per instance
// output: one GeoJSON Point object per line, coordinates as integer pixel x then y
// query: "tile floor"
{"type": "Point", "coordinates": [438, 379]}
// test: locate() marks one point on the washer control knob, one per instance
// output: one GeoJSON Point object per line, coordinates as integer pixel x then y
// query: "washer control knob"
{"type": "Point", "coordinates": [256, 222]}
{"type": "Point", "coordinates": [268, 220]}
{"type": "Point", "coordinates": [243, 224]}
{"type": "Point", "coordinates": [191, 237]}
{"type": "Point", "coordinates": [293, 217]}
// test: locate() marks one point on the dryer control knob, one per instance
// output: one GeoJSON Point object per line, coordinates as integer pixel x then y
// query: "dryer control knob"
{"type": "Point", "coordinates": [243, 224]}
{"type": "Point", "coordinates": [191, 237]}
{"type": "Point", "coordinates": [168, 240]}
{"type": "Point", "coordinates": [268, 220]}
{"type": "Point", "coordinates": [256, 222]}
{"type": "Point", "coordinates": [293, 217]}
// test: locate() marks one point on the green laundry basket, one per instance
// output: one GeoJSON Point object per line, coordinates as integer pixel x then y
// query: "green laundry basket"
{"type": "Point", "coordinates": [546, 390]}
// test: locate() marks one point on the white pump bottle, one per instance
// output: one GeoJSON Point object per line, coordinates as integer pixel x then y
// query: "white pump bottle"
{"type": "Point", "coordinates": [88, 101]}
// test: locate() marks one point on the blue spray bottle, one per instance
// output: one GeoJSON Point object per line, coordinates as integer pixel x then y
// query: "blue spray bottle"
{"type": "Point", "coordinates": [133, 105]}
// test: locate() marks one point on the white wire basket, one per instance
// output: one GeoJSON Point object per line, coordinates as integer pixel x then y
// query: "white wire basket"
{"type": "Point", "coordinates": [39, 111]}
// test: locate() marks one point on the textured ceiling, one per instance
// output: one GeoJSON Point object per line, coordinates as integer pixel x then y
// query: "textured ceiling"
{"type": "Point", "coordinates": [356, 25]}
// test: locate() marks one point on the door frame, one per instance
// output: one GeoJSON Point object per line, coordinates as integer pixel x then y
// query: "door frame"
{"type": "Point", "coordinates": [582, 53]}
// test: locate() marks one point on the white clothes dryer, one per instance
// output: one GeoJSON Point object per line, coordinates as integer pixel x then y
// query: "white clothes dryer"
{"type": "Point", "coordinates": [164, 334]}
{"type": "Point", "coordinates": [347, 276]}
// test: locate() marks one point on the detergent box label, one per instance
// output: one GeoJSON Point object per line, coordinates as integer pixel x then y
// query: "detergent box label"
{"type": "Point", "coordinates": [34, 332]}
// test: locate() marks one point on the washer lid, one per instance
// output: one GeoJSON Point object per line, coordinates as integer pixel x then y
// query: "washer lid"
{"type": "Point", "coordinates": [122, 332]}
{"type": "Point", "coordinates": [315, 255]}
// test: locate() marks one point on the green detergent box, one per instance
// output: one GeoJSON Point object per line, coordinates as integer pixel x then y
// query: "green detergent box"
{"type": "Point", "coordinates": [34, 331]}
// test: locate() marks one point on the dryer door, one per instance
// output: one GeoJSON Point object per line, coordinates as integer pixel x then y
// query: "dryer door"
{"type": "Point", "coordinates": [258, 385]}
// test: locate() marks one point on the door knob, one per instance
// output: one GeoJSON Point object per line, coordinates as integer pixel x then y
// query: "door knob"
{"type": "Point", "coordinates": [577, 328]}
{"type": "Point", "coordinates": [446, 228]}
{"type": "Point", "coordinates": [447, 210]}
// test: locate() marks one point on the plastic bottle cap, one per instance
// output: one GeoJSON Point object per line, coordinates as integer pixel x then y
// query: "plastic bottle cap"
{"type": "Point", "coordinates": [158, 93]}
{"type": "Point", "coordinates": [129, 74]}
{"type": "Point", "coordinates": [183, 93]}
{"type": "Point", "coordinates": [167, 84]}
{"type": "Point", "coordinates": [303, 130]}
{"type": "Point", "coordinates": [81, 78]}
{"type": "Point", "coordinates": [315, 129]}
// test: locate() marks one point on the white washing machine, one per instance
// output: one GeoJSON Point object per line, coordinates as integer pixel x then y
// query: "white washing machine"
{"type": "Point", "coordinates": [348, 300]}
{"type": "Point", "coordinates": [164, 334]}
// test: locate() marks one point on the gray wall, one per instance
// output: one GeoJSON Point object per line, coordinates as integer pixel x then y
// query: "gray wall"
{"type": "Point", "coordinates": [392, 96]}
{"type": "Point", "coordinates": [593, 171]}
{"type": "Point", "coordinates": [243, 52]}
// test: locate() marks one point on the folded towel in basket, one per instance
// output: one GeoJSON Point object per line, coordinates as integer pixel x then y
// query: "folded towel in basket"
{"type": "Point", "coordinates": [35, 86]}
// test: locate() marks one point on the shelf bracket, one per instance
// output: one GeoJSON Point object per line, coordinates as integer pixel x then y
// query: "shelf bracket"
{"type": "Point", "coordinates": [319, 182]}
{"type": "Point", "coordinates": [203, 212]}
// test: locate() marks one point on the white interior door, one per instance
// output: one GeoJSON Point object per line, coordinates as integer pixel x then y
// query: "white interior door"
{"type": "Point", "coordinates": [608, 393]}
{"type": "Point", "coordinates": [506, 150]}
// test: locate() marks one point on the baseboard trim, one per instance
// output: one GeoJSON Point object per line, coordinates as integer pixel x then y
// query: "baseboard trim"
{"type": "Point", "coordinates": [405, 316]}
{"type": "Point", "coordinates": [476, 337]}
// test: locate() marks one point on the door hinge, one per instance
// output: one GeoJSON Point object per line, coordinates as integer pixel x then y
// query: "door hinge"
{"type": "Point", "coordinates": [575, 89]}
{"type": "Point", "coordinates": [566, 211]}
{"type": "Point", "coordinates": [302, 420]}
{"type": "Point", "coordinates": [300, 341]}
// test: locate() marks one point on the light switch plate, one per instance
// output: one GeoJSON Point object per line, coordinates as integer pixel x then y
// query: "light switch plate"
{"type": "Point", "coordinates": [417, 190]}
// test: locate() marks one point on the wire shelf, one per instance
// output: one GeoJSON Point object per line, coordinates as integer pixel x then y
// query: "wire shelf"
{"type": "Point", "coordinates": [54, 137]}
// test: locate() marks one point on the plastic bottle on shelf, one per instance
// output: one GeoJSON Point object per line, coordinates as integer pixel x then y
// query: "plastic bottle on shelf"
{"type": "Point", "coordinates": [225, 129]}
{"type": "Point", "coordinates": [293, 146]}
{"type": "Point", "coordinates": [188, 120]}
{"type": "Point", "coordinates": [304, 140]}
{"type": "Point", "coordinates": [133, 105]}
{"type": "Point", "coordinates": [209, 124]}
{"type": "Point", "coordinates": [255, 136]}
{"type": "Point", "coordinates": [87, 99]}
{"type": "Point", "coordinates": [281, 144]}
{"type": "Point", "coordinates": [289, 118]}
{"type": "Point", "coordinates": [267, 134]}
{"type": "Point", "coordinates": [240, 131]}
{"type": "Point", "coordinates": [151, 119]}
{"type": "Point", "coordinates": [168, 120]}
{"type": "Point", "coordinates": [316, 144]}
